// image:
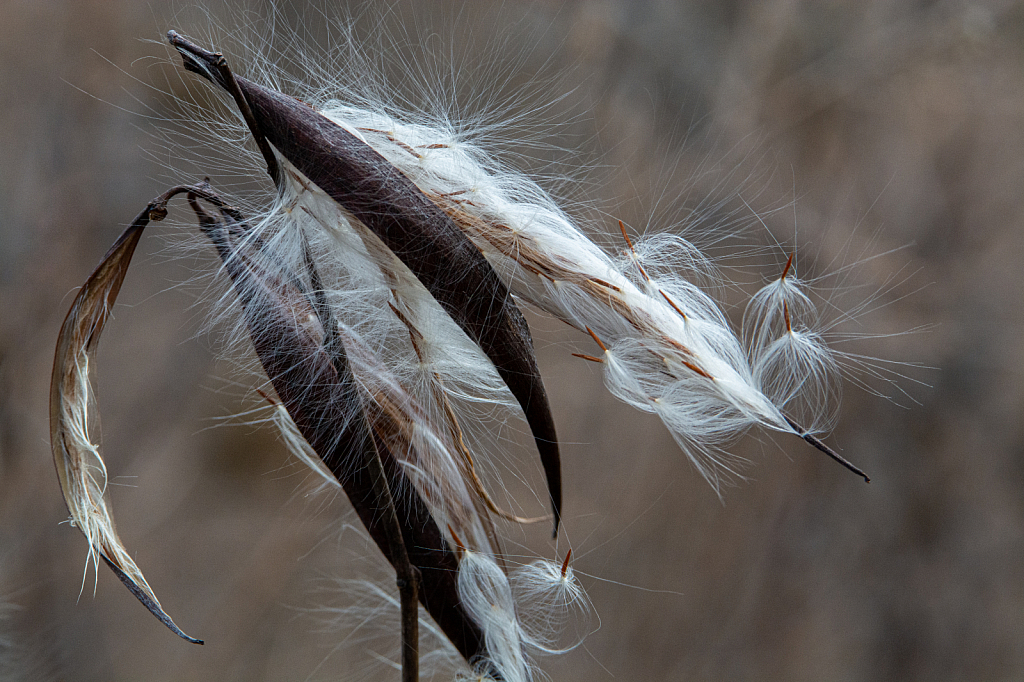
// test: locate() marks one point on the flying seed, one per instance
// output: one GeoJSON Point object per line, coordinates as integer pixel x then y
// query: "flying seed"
{"type": "Point", "coordinates": [587, 357]}
{"type": "Point", "coordinates": [626, 236]}
{"type": "Point", "coordinates": [594, 336]}
{"type": "Point", "coordinates": [673, 304]}
{"type": "Point", "coordinates": [789, 262]}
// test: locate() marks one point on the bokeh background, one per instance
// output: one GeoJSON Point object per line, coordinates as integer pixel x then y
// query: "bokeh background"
{"type": "Point", "coordinates": [885, 133]}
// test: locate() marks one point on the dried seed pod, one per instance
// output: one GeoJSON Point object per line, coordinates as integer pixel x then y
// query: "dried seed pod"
{"type": "Point", "coordinates": [314, 382]}
{"type": "Point", "coordinates": [80, 467]}
{"type": "Point", "coordinates": [413, 227]}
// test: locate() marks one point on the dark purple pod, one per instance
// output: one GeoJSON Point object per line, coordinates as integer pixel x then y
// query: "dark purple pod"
{"type": "Point", "coordinates": [320, 393]}
{"type": "Point", "coordinates": [418, 231]}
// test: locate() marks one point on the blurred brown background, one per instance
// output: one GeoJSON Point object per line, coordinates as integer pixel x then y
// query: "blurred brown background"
{"type": "Point", "coordinates": [893, 126]}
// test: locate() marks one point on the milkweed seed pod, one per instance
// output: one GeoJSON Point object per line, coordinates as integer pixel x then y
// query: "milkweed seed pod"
{"type": "Point", "coordinates": [380, 291]}
{"type": "Point", "coordinates": [329, 172]}
{"type": "Point", "coordinates": [665, 345]}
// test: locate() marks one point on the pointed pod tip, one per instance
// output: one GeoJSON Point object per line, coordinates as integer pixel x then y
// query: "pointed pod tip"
{"type": "Point", "coordinates": [195, 58]}
{"type": "Point", "coordinates": [802, 432]}
{"type": "Point", "coordinates": [148, 601]}
{"type": "Point", "coordinates": [555, 493]}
